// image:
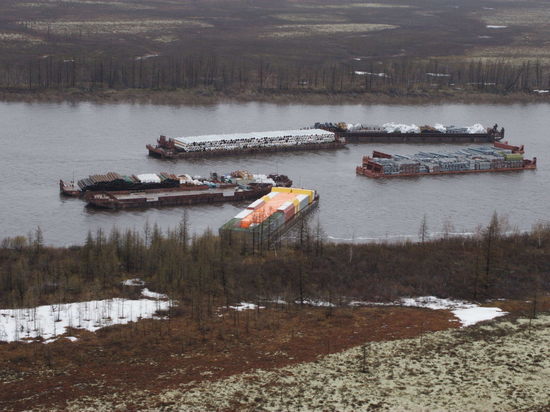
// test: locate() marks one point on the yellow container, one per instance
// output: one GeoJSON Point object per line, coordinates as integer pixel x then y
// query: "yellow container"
{"type": "Point", "coordinates": [310, 193]}
{"type": "Point", "coordinates": [282, 189]}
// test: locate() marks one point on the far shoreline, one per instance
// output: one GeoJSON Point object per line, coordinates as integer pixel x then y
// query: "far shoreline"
{"type": "Point", "coordinates": [210, 97]}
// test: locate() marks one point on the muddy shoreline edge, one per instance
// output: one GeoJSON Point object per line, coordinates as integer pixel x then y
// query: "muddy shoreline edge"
{"type": "Point", "coordinates": [208, 97]}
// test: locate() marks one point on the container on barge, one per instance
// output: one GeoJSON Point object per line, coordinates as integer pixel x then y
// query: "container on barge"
{"type": "Point", "coordinates": [270, 217]}
{"type": "Point", "coordinates": [501, 157]}
{"type": "Point", "coordinates": [405, 133]}
{"type": "Point", "coordinates": [244, 143]}
{"type": "Point", "coordinates": [152, 182]}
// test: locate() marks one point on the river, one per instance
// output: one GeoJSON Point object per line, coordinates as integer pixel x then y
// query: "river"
{"type": "Point", "coordinates": [42, 143]}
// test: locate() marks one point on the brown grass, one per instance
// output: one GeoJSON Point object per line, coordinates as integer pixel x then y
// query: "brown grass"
{"type": "Point", "coordinates": [156, 355]}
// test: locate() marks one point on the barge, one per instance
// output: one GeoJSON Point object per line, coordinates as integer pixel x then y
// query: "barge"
{"type": "Point", "coordinates": [155, 182]}
{"type": "Point", "coordinates": [171, 197]}
{"type": "Point", "coordinates": [402, 133]}
{"type": "Point", "coordinates": [501, 157]}
{"type": "Point", "coordinates": [269, 217]}
{"type": "Point", "coordinates": [244, 143]}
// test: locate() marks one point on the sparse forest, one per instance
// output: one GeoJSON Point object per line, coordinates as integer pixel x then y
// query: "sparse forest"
{"type": "Point", "coordinates": [203, 272]}
{"type": "Point", "coordinates": [231, 48]}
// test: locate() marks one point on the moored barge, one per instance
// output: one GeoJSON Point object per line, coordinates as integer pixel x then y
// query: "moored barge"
{"type": "Point", "coordinates": [244, 143]}
{"type": "Point", "coordinates": [501, 157]}
{"type": "Point", "coordinates": [167, 197]}
{"type": "Point", "coordinates": [403, 133]}
{"type": "Point", "coordinates": [268, 218]}
{"type": "Point", "coordinates": [153, 182]}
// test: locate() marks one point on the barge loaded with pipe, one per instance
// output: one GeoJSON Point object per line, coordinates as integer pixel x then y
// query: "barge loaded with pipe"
{"type": "Point", "coordinates": [269, 217]}
{"type": "Point", "coordinates": [411, 133]}
{"type": "Point", "coordinates": [114, 191]}
{"type": "Point", "coordinates": [244, 143]}
{"type": "Point", "coordinates": [502, 157]}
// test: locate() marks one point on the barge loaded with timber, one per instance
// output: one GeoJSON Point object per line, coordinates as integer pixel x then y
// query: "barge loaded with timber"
{"type": "Point", "coordinates": [114, 191]}
{"type": "Point", "coordinates": [269, 217]}
{"type": "Point", "coordinates": [501, 157]}
{"type": "Point", "coordinates": [244, 143]}
{"type": "Point", "coordinates": [404, 133]}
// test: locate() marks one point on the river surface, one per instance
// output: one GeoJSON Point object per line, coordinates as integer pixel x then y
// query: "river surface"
{"type": "Point", "coordinates": [42, 143]}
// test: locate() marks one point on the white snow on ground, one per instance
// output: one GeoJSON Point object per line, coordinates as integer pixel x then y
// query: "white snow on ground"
{"type": "Point", "coordinates": [541, 91]}
{"type": "Point", "coordinates": [133, 282]}
{"type": "Point", "coordinates": [362, 73]}
{"type": "Point", "coordinates": [50, 321]}
{"type": "Point", "coordinates": [155, 295]}
{"type": "Point", "coordinates": [467, 313]}
{"type": "Point", "coordinates": [431, 302]}
{"type": "Point", "coordinates": [438, 74]}
{"type": "Point", "coordinates": [320, 303]}
{"type": "Point", "coordinates": [471, 316]}
{"type": "Point", "coordinates": [496, 27]}
{"type": "Point", "coordinates": [245, 306]}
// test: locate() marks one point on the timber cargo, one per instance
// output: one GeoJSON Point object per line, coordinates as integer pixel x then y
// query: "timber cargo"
{"type": "Point", "coordinates": [269, 217]}
{"type": "Point", "coordinates": [152, 182]}
{"type": "Point", "coordinates": [501, 157]}
{"type": "Point", "coordinates": [411, 133]}
{"type": "Point", "coordinates": [244, 143]}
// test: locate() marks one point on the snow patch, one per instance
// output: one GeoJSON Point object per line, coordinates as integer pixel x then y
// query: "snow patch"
{"type": "Point", "coordinates": [467, 313]}
{"type": "Point", "coordinates": [438, 75]}
{"type": "Point", "coordinates": [246, 306]}
{"type": "Point", "coordinates": [319, 303]}
{"type": "Point", "coordinates": [541, 91]}
{"type": "Point", "coordinates": [133, 282]}
{"type": "Point", "coordinates": [361, 73]}
{"type": "Point", "coordinates": [496, 27]}
{"type": "Point", "coordinates": [471, 316]}
{"type": "Point", "coordinates": [51, 321]}
{"type": "Point", "coordinates": [154, 295]}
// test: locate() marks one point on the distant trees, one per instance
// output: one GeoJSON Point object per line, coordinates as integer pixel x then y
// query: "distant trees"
{"type": "Point", "coordinates": [238, 75]}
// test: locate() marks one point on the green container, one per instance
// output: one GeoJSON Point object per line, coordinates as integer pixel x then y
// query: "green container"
{"type": "Point", "coordinates": [514, 156]}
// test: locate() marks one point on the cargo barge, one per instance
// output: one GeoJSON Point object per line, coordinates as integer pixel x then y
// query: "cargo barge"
{"type": "Point", "coordinates": [269, 217]}
{"type": "Point", "coordinates": [501, 157]}
{"type": "Point", "coordinates": [170, 197]}
{"type": "Point", "coordinates": [402, 133]}
{"type": "Point", "coordinates": [244, 143]}
{"type": "Point", "coordinates": [154, 182]}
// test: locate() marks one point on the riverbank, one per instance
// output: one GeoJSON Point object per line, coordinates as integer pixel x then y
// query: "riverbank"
{"type": "Point", "coordinates": [209, 97]}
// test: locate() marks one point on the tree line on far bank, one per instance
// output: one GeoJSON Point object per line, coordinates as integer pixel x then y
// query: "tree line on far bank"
{"type": "Point", "coordinates": [210, 73]}
{"type": "Point", "coordinates": [203, 271]}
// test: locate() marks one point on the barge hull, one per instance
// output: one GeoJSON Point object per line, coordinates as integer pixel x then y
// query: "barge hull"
{"type": "Point", "coordinates": [381, 137]}
{"type": "Point", "coordinates": [163, 153]}
{"type": "Point", "coordinates": [365, 172]}
{"type": "Point", "coordinates": [105, 200]}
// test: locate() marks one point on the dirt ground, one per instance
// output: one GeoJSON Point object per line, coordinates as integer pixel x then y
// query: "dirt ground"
{"type": "Point", "coordinates": [312, 31]}
{"type": "Point", "coordinates": [150, 361]}
{"type": "Point", "coordinates": [153, 356]}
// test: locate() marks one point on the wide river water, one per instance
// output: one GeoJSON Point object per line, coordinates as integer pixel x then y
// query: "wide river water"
{"type": "Point", "coordinates": [41, 143]}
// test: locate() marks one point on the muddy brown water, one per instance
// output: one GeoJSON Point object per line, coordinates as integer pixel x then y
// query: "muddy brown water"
{"type": "Point", "coordinates": [42, 143]}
